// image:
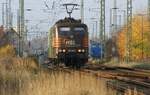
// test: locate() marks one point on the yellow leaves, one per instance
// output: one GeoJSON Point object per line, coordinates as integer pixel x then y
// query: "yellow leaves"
{"type": "Point", "coordinates": [7, 50]}
{"type": "Point", "coordinates": [140, 39]}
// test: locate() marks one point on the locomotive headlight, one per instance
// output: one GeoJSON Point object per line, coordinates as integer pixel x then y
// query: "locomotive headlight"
{"type": "Point", "coordinates": [83, 50]}
{"type": "Point", "coordinates": [64, 50]}
{"type": "Point", "coordinates": [79, 50]}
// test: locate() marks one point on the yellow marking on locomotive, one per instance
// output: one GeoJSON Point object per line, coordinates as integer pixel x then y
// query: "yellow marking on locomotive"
{"type": "Point", "coordinates": [57, 42]}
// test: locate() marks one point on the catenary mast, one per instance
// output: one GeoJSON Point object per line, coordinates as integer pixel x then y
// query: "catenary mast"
{"type": "Point", "coordinates": [129, 31]}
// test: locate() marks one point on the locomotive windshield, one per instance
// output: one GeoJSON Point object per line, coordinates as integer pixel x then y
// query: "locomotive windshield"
{"type": "Point", "coordinates": [79, 31]}
{"type": "Point", "coordinates": [67, 31]}
{"type": "Point", "coordinates": [64, 31]}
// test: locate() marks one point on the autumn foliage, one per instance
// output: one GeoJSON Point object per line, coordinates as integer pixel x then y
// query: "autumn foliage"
{"type": "Point", "coordinates": [140, 44]}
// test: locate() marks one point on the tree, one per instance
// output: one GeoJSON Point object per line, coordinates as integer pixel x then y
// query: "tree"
{"type": "Point", "coordinates": [140, 44]}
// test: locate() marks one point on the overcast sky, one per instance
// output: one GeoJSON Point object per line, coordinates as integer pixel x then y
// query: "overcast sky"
{"type": "Point", "coordinates": [44, 19]}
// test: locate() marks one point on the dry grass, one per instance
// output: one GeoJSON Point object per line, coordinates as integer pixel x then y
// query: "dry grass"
{"type": "Point", "coordinates": [23, 77]}
{"type": "Point", "coordinates": [133, 92]}
{"type": "Point", "coordinates": [19, 81]}
{"type": "Point", "coordinates": [7, 51]}
{"type": "Point", "coordinates": [14, 71]}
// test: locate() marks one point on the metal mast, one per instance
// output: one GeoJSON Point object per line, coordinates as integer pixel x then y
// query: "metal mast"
{"type": "Point", "coordinates": [3, 14]}
{"type": "Point", "coordinates": [18, 30]}
{"type": "Point", "coordinates": [114, 27]}
{"type": "Point", "coordinates": [7, 18]}
{"type": "Point", "coordinates": [21, 12]}
{"type": "Point", "coordinates": [9, 15]}
{"type": "Point", "coordinates": [102, 23]}
{"type": "Point", "coordinates": [129, 31]}
{"type": "Point", "coordinates": [115, 17]}
{"type": "Point", "coordinates": [149, 9]}
{"type": "Point", "coordinates": [82, 10]}
{"type": "Point", "coordinates": [102, 20]}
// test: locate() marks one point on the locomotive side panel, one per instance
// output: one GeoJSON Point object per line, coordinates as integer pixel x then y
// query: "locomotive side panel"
{"type": "Point", "coordinates": [51, 48]}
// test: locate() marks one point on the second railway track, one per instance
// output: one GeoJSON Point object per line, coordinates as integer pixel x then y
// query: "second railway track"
{"type": "Point", "coordinates": [129, 75]}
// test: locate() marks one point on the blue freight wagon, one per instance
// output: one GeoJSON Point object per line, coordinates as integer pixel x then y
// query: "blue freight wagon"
{"type": "Point", "coordinates": [96, 50]}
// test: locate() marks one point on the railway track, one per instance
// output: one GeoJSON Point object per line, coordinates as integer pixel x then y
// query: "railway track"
{"type": "Point", "coordinates": [136, 76]}
{"type": "Point", "coordinates": [120, 79]}
{"type": "Point", "coordinates": [129, 76]}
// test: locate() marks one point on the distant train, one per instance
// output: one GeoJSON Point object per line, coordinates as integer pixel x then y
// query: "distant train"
{"type": "Point", "coordinates": [68, 42]}
{"type": "Point", "coordinates": [106, 52]}
{"type": "Point", "coordinates": [96, 50]}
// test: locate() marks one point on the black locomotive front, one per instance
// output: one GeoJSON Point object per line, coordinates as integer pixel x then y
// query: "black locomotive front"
{"type": "Point", "coordinates": [73, 50]}
{"type": "Point", "coordinates": [70, 42]}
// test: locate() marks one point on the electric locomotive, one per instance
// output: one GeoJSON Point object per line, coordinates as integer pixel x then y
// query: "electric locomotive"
{"type": "Point", "coordinates": [68, 42]}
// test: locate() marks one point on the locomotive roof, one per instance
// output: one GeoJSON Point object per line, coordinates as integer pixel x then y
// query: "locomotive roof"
{"type": "Point", "coordinates": [68, 20]}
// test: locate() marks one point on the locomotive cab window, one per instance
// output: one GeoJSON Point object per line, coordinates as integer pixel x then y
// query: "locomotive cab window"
{"type": "Point", "coordinates": [64, 31]}
{"type": "Point", "coordinates": [79, 31]}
